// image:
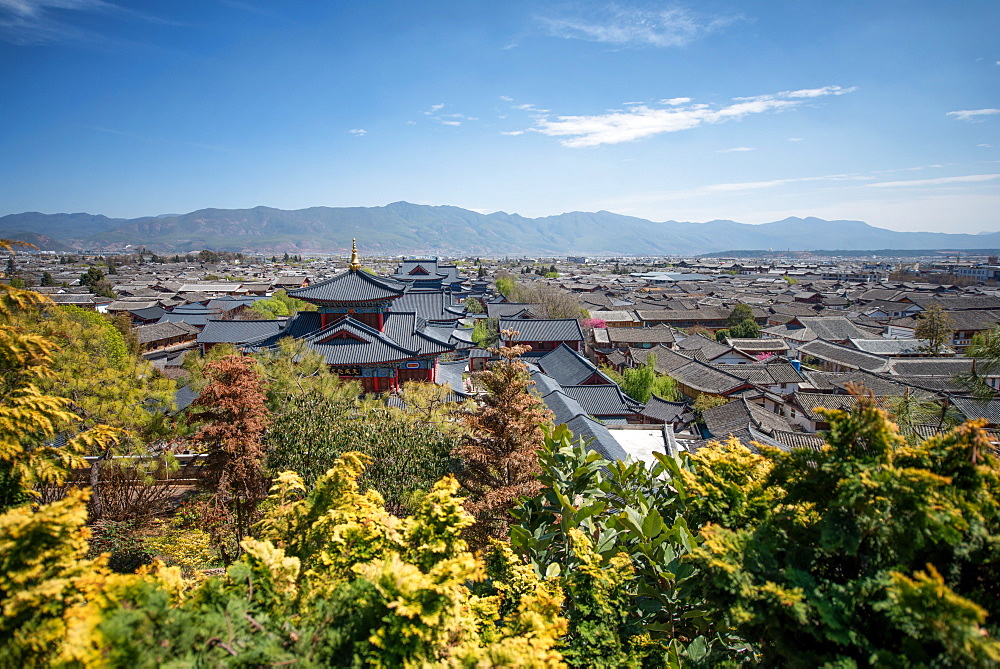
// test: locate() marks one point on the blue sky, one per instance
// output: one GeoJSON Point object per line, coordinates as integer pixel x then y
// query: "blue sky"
{"type": "Point", "coordinates": [887, 112]}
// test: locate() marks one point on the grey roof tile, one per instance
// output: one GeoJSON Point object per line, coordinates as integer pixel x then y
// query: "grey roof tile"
{"type": "Point", "coordinates": [544, 329]}
{"type": "Point", "coordinates": [350, 286]}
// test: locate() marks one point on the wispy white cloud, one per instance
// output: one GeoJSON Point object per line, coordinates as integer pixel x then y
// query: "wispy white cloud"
{"type": "Point", "coordinates": [972, 114]}
{"type": "Point", "coordinates": [757, 185]}
{"type": "Point", "coordinates": [634, 26]}
{"type": "Point", "coordinates": [450, 119]}
{"type": "Point", "coordinates": [737, 149]}
{"type": "Point", "coordinates": [970, 178]}
{"type": "Point", "coordinates": [643, 121]}
{"type": "Point", "coordinates": [527, 106]}
{"type": "Point", "coordinates": [359, 132]}
{"type": "Point", "coordinates": [985, 146]}
{"type": "Point", "coordinates": [675, 101]}
{"type": "Point", "coordinates": [27, 22]}
{"type": "Point", "coordinates": [35, 22]}
{"type": "Point", "coordinates": [795, 139]}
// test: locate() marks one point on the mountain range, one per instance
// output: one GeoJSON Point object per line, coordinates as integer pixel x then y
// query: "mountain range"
{"type": "Point", "coordinates": [408, 228]}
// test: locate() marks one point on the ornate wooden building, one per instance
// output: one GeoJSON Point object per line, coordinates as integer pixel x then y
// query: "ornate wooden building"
{"type": "Point", "coordinates": [363, 337]}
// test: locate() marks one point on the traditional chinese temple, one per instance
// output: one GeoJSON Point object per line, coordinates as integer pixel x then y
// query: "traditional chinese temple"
{"type": "Point", "coordinates": [366, 332]}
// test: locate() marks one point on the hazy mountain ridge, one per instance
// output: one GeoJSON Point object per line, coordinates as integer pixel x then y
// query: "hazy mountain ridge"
{"type": "Point", "coordinates": [402, 227]}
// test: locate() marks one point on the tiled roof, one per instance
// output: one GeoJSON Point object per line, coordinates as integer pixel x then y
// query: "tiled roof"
{"type": "Point", "coordinates": [665, 359]}
{"type": "Point", "coordinates": [597, 437]}
{"type": "Point", "coordinates": [563, 407]}
{"type": "Point", "coordinates": [544, 384]}
{"type": "Point", "coordinates": [890, 347]}
{"type": "Point", "coordinates": [705, 378]}
{"type": "Point", "coordinates": [737, 414]}
{"type": "Point", "coordinates": [973, 320]}
{"type": "Point", "coordinates": [880, 384]}
{"type": "Point", "coordinates": [74, 298]}
{"type": "Point", "coordinates": [769, 373]}
{"type": "Point", "coordinates": [809, 402]}
{"type": "Point", "coordinates": [512, 310]}
{"type": "Point", "coordinates": [159, 331]}
{"type": "Point", "coordinates": [566, 366]}
{"type": "Point", "coordinates": [793, 309]}
{"type": "Point", "coordinates": [661, 409]}
{"type": "Point", "coordinates": [543, 329]}
{"type": "Point", "coordinates": [832, 328]}
{"type": "Point", "coordinates": [791, 332]}
{"type": "Point", "coordinates": [429, 305]}
{"type": "Point", "coordinates": [149, 313]}
{"type": "Point", "coordinates": [654, 335]}
{"type": "Point", "coordinates": [414, 333]}
{"type": "Point", "coordinates": [959, 302]}
{"type": "Point", "coordinates": [709, 347]}
{"type": "Point", "coordinates": [238, 332]}
{"type": "Point", "coordinates": [451, 374]}
{"type": "Point", "coordinates": [757, 345]}
{"type": "Point", "coordinates": [747, 436]}
{"type": "Point", "coordinates": [350, 342]}
{"type": "Point", "coordinates": [683, 315]}
{"type": "Point", "coordinates": [184, 397]}
{"type": "Point", "coordinates": [930, 366]}
{"type": "Point", "coordinates": [615, 316]}
{"type": "Point", "coordinates": [798, 439]}
{"type": "Point", "coordinates": [192, 318]}
{"type": "Point", "coordinates": [230, 303]}
{"type": "Point", "coordinates": [973, 408]}
{"type": "Point", "coordinates": [844, 356]}
{"type": "Point", "coordinates": [603, 400]}
{"type": "Point", "coordinates": [127, 305]}
{"type": "Point", "coordinates": [350, 286]}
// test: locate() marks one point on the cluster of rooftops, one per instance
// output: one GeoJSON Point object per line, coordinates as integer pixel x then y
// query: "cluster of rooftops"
{"type": "Point", "coordinates": [817, 338]}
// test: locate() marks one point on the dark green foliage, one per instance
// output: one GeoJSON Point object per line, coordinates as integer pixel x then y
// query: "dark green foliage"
{"type": "Point", "coordinates": [745, 329]}
{"type": "Point", "coordinates": [633, 597]}
{"type": "Point", "coordinates": [740, 313]}
{"type": "Point", "coordinates": [209, 256]}
{"type": "Point", "coordinates": [47, 279]}
{"type": "Point", "coordinates": [91, 276]}
{"type": "Point", "coordinates": [639, 381]}
{"type": "Point", "coordinates": [119, 539]}
{"type": "Point", "coordinates": [842, 569]}
{"type": "Point", "coordinates": [310, 433]}
{"type": "Point", "coordinates": [485, 332]}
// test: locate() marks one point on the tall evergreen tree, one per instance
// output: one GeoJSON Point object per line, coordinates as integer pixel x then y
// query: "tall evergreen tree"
{"type": "Point", "coordinates": [234, 415]}
{"type": "Point", "coordinates": [500, 454]}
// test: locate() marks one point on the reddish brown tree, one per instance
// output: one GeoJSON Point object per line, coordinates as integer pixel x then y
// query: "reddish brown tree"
{"type": "Point", "coordinates": [235, 416]}
{"type": "Point", "coordinates": [500, 454]}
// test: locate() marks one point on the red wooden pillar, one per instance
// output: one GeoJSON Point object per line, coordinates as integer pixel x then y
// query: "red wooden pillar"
{"type": "Point", "coordinates": [381, 321]}
{"type": "Point", "coordinates": [322, 319]}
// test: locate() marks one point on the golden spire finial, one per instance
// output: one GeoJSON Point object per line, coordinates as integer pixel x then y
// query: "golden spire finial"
{"type": "Point", "coordinates": [355, 263]}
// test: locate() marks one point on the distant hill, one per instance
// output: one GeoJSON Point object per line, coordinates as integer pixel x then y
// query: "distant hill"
{"type": "Point", "coordinates": [402, 227]}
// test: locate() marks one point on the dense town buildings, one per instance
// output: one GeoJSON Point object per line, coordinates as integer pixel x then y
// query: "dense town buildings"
{"type": "Point", "coordinates": [821, 324]}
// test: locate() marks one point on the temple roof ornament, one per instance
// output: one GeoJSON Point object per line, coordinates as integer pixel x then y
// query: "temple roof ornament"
{"type": "Point", "coordinates": [355, 264]}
